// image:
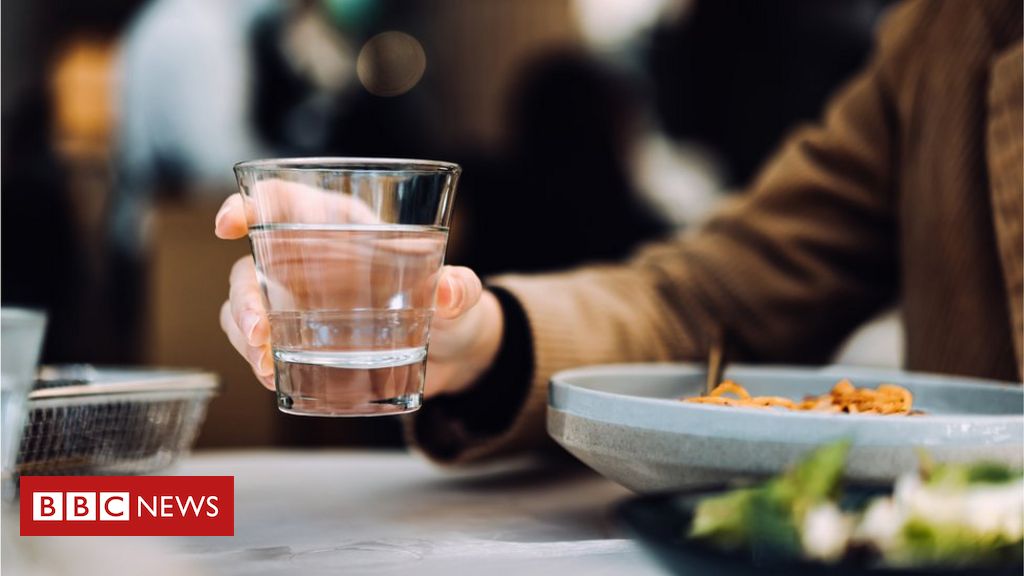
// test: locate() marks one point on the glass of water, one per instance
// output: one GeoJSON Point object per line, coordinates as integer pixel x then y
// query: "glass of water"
{"type": "Point", "coordinates": [348, 252]}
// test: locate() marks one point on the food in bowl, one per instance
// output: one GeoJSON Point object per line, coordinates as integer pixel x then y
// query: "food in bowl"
{"type": "Point", "coordinates": [843, 398]}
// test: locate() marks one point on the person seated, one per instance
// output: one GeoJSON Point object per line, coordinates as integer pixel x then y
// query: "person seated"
{"type": "Point", "coordinates": [910, 189]}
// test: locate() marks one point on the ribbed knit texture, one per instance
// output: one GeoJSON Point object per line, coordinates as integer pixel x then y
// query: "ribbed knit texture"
{"type": "Point", "coordinates": [1006, 124]}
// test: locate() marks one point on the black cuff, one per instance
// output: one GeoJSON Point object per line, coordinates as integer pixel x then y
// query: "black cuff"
{"type": "Point", "coordinates": [490, 405]}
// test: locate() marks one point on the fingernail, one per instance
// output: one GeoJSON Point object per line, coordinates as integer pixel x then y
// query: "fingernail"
{"type": "Point", "coordinates": [455, 300]}
{"type": "Point", "coordinates": [220, 215]}
{"type": "Point", "coordinates": [249, 322]}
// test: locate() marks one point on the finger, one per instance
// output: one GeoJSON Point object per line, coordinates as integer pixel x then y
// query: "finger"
{"type": "Point", "coordinates": [259, 357]}
{"type": "Point", "coordinates": [458, 290]}
{"type": "Point", "coordinates": [294, 202]}
{"type": "Point", "coordinates": [267, 378]}
{"type": "Point", "coordinates": [247, 303]}
{"type": "Point", "coordinates": [231, 221]}
{"type": "Point", "coordinates": [254, 355]}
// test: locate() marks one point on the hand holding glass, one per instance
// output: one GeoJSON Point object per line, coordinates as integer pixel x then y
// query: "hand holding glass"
{"type": "Point", "coordinates": [348, 254]}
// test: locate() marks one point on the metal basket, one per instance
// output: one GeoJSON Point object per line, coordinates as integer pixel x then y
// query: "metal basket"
{"type": "Point", "coordinates": [87, 421]}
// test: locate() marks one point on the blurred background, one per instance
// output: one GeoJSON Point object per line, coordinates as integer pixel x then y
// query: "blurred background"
{"type": "Point", "coordinates": [597, 124]}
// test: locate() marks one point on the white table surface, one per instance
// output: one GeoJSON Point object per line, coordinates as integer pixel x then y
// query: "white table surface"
{"type": "Point", "coordinates": [356, 512]}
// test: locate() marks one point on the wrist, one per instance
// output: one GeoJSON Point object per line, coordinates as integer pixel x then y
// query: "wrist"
{"type": "Point", "coordinates": [486, 328]}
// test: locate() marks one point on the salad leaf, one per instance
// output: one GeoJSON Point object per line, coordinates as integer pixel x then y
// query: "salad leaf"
{"type": "Point", "coordinates": [723, 519]}
{"type": "Point", "coordinates": [766, 518]}
{"type": "Point", "coordinates": [816, 478]}
{"type": "Point", "coordinates": [774, 532]}
{"type": "Point", "coordinates": [929, 543]}
{"type": "Point", "coordinates": [957, 476]}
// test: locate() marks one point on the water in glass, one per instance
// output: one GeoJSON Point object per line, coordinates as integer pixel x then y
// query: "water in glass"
{"type": "Point", "coordinates": [350, 309]}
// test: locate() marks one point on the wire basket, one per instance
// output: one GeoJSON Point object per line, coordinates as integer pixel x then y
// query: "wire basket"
{"type": "Point", "coordinates": [87, 421]}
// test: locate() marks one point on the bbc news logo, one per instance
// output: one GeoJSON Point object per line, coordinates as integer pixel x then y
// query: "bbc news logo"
{"type": "Point", "coordinates": [127, 506]}
{"type": "Point", "coordinates": [116, 506]}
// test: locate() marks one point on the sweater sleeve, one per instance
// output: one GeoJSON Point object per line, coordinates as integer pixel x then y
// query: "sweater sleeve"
{"type": "Point", "coordinates": [788, 270]}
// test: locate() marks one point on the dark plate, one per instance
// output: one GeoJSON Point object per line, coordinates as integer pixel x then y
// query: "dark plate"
{"type": "Point", "coordinates": [660, 521]}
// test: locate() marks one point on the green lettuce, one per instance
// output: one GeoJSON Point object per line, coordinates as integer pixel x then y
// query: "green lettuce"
{"type": "Point", "coordinates": [925, 543]}
{"type": "Point", "coordinates": [960, 476]}
{"type": "Point", "coordinates": [766, 519]}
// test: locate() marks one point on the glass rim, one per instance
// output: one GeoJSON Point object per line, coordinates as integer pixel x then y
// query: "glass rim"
{"type": "Point", "coordinates": [349, 164]}
{"type": "Point", "coordinates": [22, 316]}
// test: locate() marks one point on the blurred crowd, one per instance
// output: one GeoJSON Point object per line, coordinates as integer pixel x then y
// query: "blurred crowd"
{"type": "Point", "coordinates": [585, 128]}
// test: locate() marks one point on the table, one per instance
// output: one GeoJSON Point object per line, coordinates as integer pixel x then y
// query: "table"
{"type": "Point", "coordinates": [359, 512]}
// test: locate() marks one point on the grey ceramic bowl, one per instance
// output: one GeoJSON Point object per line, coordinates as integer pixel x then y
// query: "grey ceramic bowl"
{"type": "Point", "coordinates": [626, 422]}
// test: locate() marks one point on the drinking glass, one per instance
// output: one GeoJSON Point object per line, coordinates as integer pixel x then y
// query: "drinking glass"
{"type": "Point", "coordinates": [21, 334]}
{"type": "Point", "coordinates": [348, 252]}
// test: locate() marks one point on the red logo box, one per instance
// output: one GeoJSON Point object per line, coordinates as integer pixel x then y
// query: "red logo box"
{"type": "Point", "coordinates": [127, 506]}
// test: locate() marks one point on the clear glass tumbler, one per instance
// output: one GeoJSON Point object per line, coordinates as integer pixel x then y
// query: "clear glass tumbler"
{"type": "Point", "coordinates": [21, 334]}
{"type": "Point", "coordinates": [348, 253]}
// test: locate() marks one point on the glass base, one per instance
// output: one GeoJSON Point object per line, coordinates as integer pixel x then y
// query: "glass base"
{"type": "Point", "coordinates": [319, 390]}
{"type": "Point", "coordinates": [403, 405]}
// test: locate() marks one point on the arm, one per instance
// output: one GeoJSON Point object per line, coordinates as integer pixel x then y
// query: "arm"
{"type": "Point", "coordinates": [802, 259]}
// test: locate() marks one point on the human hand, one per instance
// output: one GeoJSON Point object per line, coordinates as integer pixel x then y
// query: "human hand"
{"type": "Point", "coordinates": [465, 333]}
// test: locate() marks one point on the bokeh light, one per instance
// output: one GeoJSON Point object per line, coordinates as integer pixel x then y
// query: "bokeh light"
{"type": "Point", "coordinates": [391, 63]}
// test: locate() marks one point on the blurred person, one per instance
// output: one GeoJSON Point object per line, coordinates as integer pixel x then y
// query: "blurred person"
{"type": "Point", "coordinates": [727, 79]}
{"type": "Point", "coordinates": [184, 110]}
{"type": "Point", "coordinates": [205, 84]}
{"type": "Point", "coordinates": [55, 273]}
{"type": "Point", "coordinates": [47, 276]}
{"type": "Point", "coordinates": [910, 188]}
{"type": "Point", "coordinates": [34, 182]}
{"type": "Point", "coordinates": [308, 98]}
{"type": "Point", "coordinates": [565, 174]}
{"type": "Point", "coordinates": [734, 76]}
{"type": "Point", "coordinates": [182, 83]}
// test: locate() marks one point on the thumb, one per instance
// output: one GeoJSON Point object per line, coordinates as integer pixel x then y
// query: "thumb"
{"type": "Point", "coordinates": [458, 290]}
{"type": "Point", "coordinates": [232, 220]}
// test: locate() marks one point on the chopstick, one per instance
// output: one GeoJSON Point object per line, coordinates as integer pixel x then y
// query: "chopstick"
{"type": "Point", "coordinates": [717, 360]}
